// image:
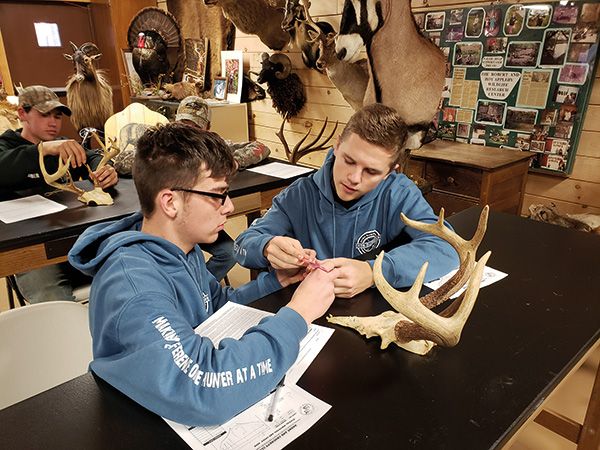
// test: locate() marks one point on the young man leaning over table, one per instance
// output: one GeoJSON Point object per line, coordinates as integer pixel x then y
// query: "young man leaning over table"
{"type": "Point", "coordinates": [41, 113]}
{"type": "Point", "coordinates": [151, 289]}
{"type": "Point", "coordinates": [349, 207]}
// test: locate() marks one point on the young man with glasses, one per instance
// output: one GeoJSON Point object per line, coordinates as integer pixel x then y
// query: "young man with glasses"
{"type": "Point", "coordinates": [151, 288]}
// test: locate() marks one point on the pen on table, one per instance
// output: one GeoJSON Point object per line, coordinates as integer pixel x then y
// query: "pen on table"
{"type": "Point", "coordinates": [274, 399]}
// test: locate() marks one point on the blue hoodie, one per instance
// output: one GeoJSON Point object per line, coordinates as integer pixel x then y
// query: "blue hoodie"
{"type": "Point", "coordinates": [146, 299]}
{"type": "Point", "coordinates": [307, 211]}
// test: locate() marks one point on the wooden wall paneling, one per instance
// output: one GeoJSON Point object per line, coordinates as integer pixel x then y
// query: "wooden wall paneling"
{"type": "Point", "coordinates": [104, 38]}
{"type": "Point", "coordinates": [121, 13]}
{"type": "Point", "coordinates": [4, 70]}
{"type": "Point", "coordinates": [589, 144]}
{"type": "Point", "coordinates": [563, 207]}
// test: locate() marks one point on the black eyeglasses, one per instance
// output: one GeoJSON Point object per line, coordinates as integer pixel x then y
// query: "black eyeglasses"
{"type": "Point", "coordinates": [222, 196]}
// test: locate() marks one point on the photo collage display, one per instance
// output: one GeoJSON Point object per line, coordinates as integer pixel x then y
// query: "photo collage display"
{"type": "Point", "coordinates": [517, 76]}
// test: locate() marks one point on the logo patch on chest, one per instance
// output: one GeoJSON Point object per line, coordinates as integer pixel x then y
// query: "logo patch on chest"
{"type": "Point", "coordinates": [368, 241]}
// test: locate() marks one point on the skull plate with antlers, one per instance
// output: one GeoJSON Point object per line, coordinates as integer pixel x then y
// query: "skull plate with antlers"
{"type": "Point", "coordinates": [414, 326]}
{"type": "Point", "coordinates": [96, 196]}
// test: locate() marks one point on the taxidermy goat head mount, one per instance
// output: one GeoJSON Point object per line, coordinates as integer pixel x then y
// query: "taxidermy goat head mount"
{"type": "Point", "coordinates": [414, 326]}
{"type": "Point", "coordinates": [94, 197]}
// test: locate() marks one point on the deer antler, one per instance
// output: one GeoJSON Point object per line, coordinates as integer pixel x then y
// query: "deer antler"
{"type": "Point", "coordinates": [298, 151]}
{"type": "Point", "coordinates": [414, 326]}
{"type": "Point", "coordinates": [63, 170]}
{"type": "Point", "coordinates": [96, 196]}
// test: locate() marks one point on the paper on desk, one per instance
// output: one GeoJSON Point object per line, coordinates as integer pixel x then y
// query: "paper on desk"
{"type": "Point", "coordinates": [27, 208]}
{"type": "Point", "coordinates": [280, 170]}
{"type": "Point", "coordinates": [489, 276]}
{"type": "Point", "coordinates": [232, 321]}
{"type": "Point", "coordinates": [296, 412]}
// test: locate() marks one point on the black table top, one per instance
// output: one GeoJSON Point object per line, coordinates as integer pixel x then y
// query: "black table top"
{"type": "Point", "coordinates": [526, 332]}
{"type": "Point", "coordinates": [77, 217]}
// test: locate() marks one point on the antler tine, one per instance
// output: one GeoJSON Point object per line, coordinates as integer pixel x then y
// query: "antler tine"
{"type": "Point", "coordinates": [446, 330]}
{"type": "Point", "coordinates": [63, 169]}
{"type": "Point", "coordinates": [397, 299]}
{"type": "Point", "coordinates": [310, 147]}
{"type": "Point", "coordinates": [466, 253]}
{"type": "Point", "coordinates": [109, 153]}
{"type": "Point", "coordinates": [281, 137]}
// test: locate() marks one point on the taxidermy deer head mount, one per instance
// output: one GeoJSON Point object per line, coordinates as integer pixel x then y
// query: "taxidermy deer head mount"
{"type": "Point", "coordinates": [414, 326]}
{"type": "Point", "coordinates": [96, 196]}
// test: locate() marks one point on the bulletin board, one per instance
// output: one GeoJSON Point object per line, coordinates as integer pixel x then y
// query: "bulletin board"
{"type": "Point", "coordinates": [517, 76]}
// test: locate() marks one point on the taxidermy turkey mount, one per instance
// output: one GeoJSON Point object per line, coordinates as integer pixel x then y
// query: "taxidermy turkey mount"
{"type": "Point", "coordinates": [155, 41]}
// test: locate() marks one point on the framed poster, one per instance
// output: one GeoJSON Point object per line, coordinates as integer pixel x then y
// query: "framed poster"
{"type": "Point", "coordinates": [232, 66]}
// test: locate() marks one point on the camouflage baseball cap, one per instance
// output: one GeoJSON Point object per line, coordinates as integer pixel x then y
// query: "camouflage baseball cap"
{"type": "Point", "coordinates": [41, 99]}
{"type": "Point", "coordinates": [195, 109]}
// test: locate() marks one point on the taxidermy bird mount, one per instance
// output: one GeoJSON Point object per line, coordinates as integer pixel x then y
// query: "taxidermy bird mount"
{"type": "Point", "coordinates": [155, 41]}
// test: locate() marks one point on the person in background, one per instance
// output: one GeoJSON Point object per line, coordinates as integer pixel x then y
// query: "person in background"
{"type": "Point", "coordinates": [351, 207]}
{"type": "Point", "coordinates": [41, 113]}
{"type": "Point", "coordinates": [151, 289]}
{"type": "Point", "coordinates": [195, 111]}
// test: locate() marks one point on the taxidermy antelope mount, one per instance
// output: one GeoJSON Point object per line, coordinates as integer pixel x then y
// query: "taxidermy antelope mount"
{"type": "Point", "coordinates": [96, 196]}
{"type": "Point", "coordinates": [414, 326]}
{"type": "Point", "coordinates": [318, 48]}
{"type": "Point", "coordinates": [407, 70]}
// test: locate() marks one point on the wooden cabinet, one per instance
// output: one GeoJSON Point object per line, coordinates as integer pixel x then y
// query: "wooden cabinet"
{"type": "Point", "coordinates": [228, 120]}
{"type": "Point", "coordinates": [464, 175]}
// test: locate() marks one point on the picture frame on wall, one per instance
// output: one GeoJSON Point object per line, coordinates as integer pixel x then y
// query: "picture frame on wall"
{"type": "Point", "coordinates": [232, 68]}
{"type": "Point", "coordinates": [133, 79]}
{"type": "Point", "coordinates": [220, 88]}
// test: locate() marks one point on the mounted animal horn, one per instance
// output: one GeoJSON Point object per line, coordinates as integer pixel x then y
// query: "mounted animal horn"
{"type": "Point", "coordinates": [280, 58]}
{"type": "Point", "coordinates": [74, 46]}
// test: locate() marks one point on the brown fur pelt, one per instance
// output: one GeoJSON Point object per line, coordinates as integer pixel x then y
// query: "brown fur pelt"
{"type": "Point", "coordinates": [550, 214]}
{"type": "Point", "coordinates": [198, 21]}
{"type": "Point", "coordinates": [9, 119]}
{"type": "Point", "coordinates": [182, 89]}
{"type": "Point", "coordinates": [258, 17]}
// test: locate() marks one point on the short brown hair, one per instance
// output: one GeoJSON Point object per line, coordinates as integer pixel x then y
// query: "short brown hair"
{"type": "Point", "coordinates": [379, 125]}
{"type": "Point", "coordinates": [173, 155]}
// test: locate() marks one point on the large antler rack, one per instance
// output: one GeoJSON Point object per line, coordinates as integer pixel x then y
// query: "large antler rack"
{"type": "Point", "coordinates": [96, 196]}
{"type": "Point", "coordinates": [414, 326]}
{"type": "Point", "coordinates": [298, 151]}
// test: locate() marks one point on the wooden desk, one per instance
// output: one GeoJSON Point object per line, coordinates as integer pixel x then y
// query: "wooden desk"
{"type": "Point", "coordinates": [526, 333]}
{"type": "Point", "coordinates": [46, 240]}
{"type": "Point", "coordinates": [465, 175]}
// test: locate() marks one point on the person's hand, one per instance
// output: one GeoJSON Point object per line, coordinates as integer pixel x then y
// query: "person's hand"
{"type": "Point", "coordinates": [315, 294]}
{"type": "Point", "coordinates": [290, 276]}
{"type": "Point", "coordinates": [287, 253]}
{"type": "Point", "coordinates": [353, 276]}
{"type": "Point", "coordinates": [64, 149]}
{"type": "Point", "coordinates": [106, 176]}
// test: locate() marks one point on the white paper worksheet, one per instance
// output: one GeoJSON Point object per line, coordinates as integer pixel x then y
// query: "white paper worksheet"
{"type": "Point", "coordinates": [295, 410]}
{"type": "Point", "coordinates": [27, 208]}
{"type": "Point", "coordinates": [280, 170]}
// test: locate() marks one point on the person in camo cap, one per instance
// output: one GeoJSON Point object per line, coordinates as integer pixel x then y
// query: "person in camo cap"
{"type": "Point", "coordinates": [41, 113]}
{"type": "Point", "coordinates": [195, 111]}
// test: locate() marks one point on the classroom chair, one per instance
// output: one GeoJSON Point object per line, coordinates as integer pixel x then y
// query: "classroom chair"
{"type": "Point", "coordinates": [42, 346]}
